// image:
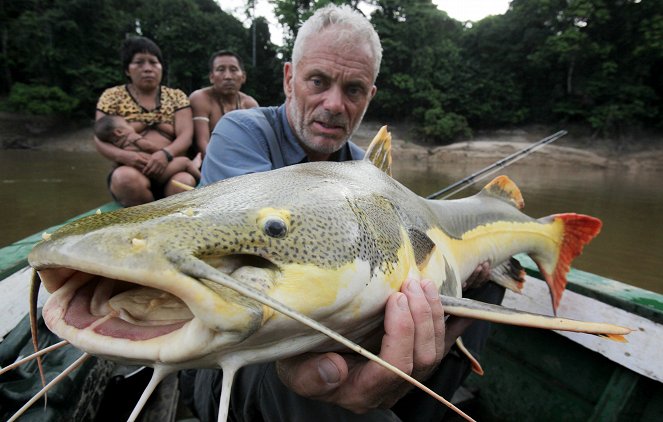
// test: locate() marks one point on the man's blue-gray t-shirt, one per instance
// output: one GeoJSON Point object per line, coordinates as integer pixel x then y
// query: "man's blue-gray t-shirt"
{"type": "Point", "coordinates": [255, 140]}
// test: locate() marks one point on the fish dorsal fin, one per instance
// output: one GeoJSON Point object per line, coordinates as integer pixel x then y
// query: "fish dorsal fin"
{"type": "Point", "coordinates": [504, 188]}
{"type": "Point", "coordinates": [379, 151]}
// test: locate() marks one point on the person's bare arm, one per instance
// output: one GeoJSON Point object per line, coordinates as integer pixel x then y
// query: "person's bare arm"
{"type": "Point", "coordinates": [134, 159]}
{"type": "Point", "coordinates": [178, 165]}
{"type": "Point", "coordinates": [248, 101]}
{"type": "Point", "coordinates": [183, 132]}
{"type": "Point", "coordinates": [202, 113]}
{"type": "Point", "coordinates": [147, 145]}
{"type": "Point", "coordinates": [183, 136]}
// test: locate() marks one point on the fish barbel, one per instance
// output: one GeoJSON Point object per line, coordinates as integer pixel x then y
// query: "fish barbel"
{"type": "Point", "coordinates": [192, 281]}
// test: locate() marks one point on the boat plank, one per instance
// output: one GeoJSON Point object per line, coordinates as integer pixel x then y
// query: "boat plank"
{"type": "Point", "coordinates": [642, 352]}
{"type": "Point", "coordinates": [633, 299]}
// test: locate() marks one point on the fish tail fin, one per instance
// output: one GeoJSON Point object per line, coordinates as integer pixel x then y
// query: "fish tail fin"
{"type": "Point", "coordinates": [505, 189]}
{"type": "Point", "coordinates": [379, 151]}
{"type": "Point", "coordinates": [577, 231]}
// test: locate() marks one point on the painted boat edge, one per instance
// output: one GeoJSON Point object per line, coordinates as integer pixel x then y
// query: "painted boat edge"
{"type": "Point", "coordinates": [645, 303]}
{"type": "Point", "coordinates": [14, 257]}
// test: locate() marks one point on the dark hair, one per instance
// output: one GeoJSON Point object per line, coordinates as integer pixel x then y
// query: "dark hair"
{"type": "Point", "coordinates": [104, 127]}
{"type": "Point", "coordinates": [135, 45]}
{"type": "Point", "coordinates": [225, 53]}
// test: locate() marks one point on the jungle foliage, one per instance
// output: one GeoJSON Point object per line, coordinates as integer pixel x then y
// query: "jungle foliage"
{"type": "Point", "coordinates": [589, 62]}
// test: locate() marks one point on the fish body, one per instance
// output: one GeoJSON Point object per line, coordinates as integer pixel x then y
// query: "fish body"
{"type": "Point", "coordinates": [193, 280]}
{"type": "Point", "coordinates": [330, 240]}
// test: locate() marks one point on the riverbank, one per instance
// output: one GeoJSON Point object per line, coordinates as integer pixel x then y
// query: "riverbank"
{"type": "Point", "coordinates": [46, 134]}
{"type": "Point", "coordinates": [572, 150]}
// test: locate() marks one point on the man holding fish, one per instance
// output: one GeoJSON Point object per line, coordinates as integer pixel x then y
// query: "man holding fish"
{"type": "Point", "coordinates": [329, 85]}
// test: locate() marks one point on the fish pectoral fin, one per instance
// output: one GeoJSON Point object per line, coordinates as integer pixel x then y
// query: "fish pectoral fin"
{"type": "Point", "coordinates": [476, 366]}
{"type": "Point", "coordinates": [510, 275]}
{"type": "Point", "coordinates": [468, 308]}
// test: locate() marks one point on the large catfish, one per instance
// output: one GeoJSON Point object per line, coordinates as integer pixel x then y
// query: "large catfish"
{"type": "Point", "coordinates": [205, 278]}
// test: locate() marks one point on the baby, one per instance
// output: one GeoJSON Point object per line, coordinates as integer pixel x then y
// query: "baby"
{"type": "Point", "coordinates": [117, 131]}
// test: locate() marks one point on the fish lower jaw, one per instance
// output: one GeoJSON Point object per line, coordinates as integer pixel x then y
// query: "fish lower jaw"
{"type": "Point", "coordinates": [127, 322]}
{"type": "Point", "coordinates": [186, 347]}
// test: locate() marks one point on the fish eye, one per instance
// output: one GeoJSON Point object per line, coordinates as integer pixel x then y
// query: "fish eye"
{"type": "Point", "coordinates": [275, 227]}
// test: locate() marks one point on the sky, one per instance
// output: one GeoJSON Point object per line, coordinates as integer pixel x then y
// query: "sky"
{"type": "Point", "coordinates": [461, 10]}
{"type": "Point", "coordinates": [472, 10]}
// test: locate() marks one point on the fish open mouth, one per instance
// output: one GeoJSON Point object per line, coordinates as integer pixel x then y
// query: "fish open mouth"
{"type": "Point", "coordinates": [135, 311]}
{"type": "Point", "coordinates": [114, 308]}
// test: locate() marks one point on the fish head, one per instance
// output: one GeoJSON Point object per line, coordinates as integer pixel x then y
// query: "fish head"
{"type": "Point", "coordinates": [141, 284]}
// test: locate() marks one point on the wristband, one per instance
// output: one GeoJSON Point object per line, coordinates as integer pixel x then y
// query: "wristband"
{"type": "Point", "coordinates": [169, 156]}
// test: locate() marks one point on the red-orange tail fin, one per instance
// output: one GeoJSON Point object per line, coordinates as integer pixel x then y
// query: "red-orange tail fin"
{"type": "Point", "coordinates": [578, 231]}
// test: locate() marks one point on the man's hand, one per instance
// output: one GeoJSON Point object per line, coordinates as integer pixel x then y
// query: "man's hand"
{"type": "Point", "coordinates": [413, 342]}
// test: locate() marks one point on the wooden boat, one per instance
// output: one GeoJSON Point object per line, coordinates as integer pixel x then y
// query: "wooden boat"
{"type": "Point", "coordinates": [530, 374]}
{"type": "Point", "coordinates": [535, 375]}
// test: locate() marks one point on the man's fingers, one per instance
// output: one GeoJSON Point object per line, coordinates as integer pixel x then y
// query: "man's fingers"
{"type": "Point", "coordinates": [397, 348]}
{"type": "Point", "coordinates": [425, 342]}
{"type": "Point", "coordinates": [437, 311]}
{"type": "Point", "coordinates": [313, 375]}
{"type": "Point", "coordinates": [398, 341]}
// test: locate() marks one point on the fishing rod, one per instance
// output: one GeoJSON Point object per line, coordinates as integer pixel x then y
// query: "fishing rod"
{"type": "Point", "coordinates": [487, 171]}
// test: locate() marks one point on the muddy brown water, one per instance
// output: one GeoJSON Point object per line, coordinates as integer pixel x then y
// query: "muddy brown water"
{"type": "Point", "coordinates": [39, 189]}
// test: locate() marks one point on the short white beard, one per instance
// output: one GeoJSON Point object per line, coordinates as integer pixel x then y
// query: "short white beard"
{"type": "Point", "coordinates": [301, 131]}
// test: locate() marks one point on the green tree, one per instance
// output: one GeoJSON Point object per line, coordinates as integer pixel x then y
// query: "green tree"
{"type": "Point", "coordinates": [65, 44]}
{"type": "Point", "coordinates": [73, 45]}
{"type": "Point", "coordinates": [421, 68]}
{"type": "Point", "coordinates": [264, 80]}
{"type": "Point", "coordinates": [188, 31]}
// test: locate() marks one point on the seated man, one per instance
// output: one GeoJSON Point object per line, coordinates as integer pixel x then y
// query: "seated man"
{"type": "Point", "coordinates": [328, 86]}
{"type": "Point", "coordinates": [117, 131]}
{"type": "Point", "coordinates": [209, 104]}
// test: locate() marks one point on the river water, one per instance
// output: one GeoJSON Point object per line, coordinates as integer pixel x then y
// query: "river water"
{"type": "Point", "coordinates": [39, 189]}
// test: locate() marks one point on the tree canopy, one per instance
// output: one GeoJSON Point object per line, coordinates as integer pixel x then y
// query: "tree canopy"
{"type": "Point", "coordinates": [588, 62]}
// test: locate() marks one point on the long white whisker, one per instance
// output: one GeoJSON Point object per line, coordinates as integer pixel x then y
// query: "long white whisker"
{"type": "Point", "coordinates": [229, 370]}
{"type": "Point", "coordinates": [72, 367]}
{"type": "Point", "coordinates": [158, 375]}
{"type": "Point", "coordinates": [33, 356]}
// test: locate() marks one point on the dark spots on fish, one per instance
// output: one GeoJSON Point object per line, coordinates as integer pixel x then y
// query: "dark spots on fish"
{"type": "Point", "coordinates": [379, 233]}
{"type": "Point", "coordinates": [332, 220]}
{"type": "Point", "coordinates": [422, 245]}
